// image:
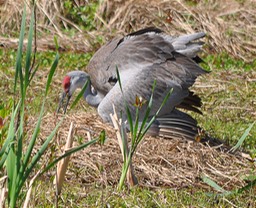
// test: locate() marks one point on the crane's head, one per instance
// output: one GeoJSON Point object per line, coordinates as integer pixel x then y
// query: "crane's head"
{"type": "Point", "coordinates": [72, 81]}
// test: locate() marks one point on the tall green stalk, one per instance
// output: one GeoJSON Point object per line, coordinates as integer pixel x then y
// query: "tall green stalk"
{"type": "Point", "coordinates": [137, 129]}
{"type": "Point", "coordinates": [15, 159]}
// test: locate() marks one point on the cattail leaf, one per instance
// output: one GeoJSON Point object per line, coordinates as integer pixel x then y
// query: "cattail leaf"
{"type": "Point", "coordinates": [29, 49]}
{"type": "Point", "coordinates": [18, 68]}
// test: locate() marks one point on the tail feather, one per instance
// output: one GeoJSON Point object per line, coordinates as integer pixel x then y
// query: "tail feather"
{"type": "Point", "coordinates": [192, 102]}
{"type": "Point", "coordinates": [172, 134]}
{"type": "Point", "coordinates": [175, 121]}
{"type": "Point", "coordinates": [187, 44]}
{"type": "Point", "coordinates": [175, 125]}
{"type": "Point", "coordinates": [186, 39]}
{"type": "Point", "coordinates": [178, 130]}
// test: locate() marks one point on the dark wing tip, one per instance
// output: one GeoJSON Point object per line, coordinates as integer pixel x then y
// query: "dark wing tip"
{"type": "Point", "coordinates": [141, 32]}
{"type": "Point", "coordinates": [145, 30]}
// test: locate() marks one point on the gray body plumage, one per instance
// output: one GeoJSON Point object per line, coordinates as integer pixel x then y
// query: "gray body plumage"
{"type": "Point", "coordinates": [141, 58]}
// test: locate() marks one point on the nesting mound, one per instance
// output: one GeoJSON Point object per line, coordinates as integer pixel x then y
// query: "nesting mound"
{"type": "Point", "coordinates": [158, 162]}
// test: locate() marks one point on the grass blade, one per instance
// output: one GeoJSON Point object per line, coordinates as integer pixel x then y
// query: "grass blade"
{"type": "Point", "coordinates": [52, 70]}
{"type": "Point", "coordinates": [102, 137]}
{"type": "Point", "coordinates": [38, 155]}
{"type": "Point", "coordinates": [241, 140]}
{"type": "Point", "coordinates": [12, 174]}
{"type": "Point", "coordinates": [69, 152]}
{"type": "Point", "coordinates": [37, 128]}
{"type": "Point", "coordinates": [129, 116]}
{"type": "Point", "coordinates": [250, 185]}
{"type": "Point", "coordinates": [10, 137]}
{"type": "Point", "coordinates": [214, 185]}
{"type": "Point", "coordinates": [29, 49]}
{"type": "Point", "coordinates": [23, 174]}
{"type": "Point", "coordinates": [128, 112]}
{"type": "Point", "coordinates": [56, 42]}
{"type": "Point", "coordinates": [136, 124]}
{"type": "Point", "coordinates": [19, 52]}
{"type": "Point", "coordinates": [81, 93]}
{"type": "Point", "coordinates": [146, 116]}
{"type": "Point", "coordinates": [33, 73]}
{"type": "Point", "coordinates": [32, 142]}
{"type": "Point", "coordinates": [119, 79]}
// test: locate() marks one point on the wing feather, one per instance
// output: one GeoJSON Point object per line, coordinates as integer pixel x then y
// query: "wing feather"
{"type": "Point", "coordinates": [139, 81]}
{"type": "Point", "coordinates": [141, 58]}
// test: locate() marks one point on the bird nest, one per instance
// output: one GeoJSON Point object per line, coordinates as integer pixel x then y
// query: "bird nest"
{"type": "Point", "coordinates": [158, 162]}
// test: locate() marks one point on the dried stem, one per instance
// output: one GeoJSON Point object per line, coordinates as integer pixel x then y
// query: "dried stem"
{"type": "Point", "coordinates": [63, 164]}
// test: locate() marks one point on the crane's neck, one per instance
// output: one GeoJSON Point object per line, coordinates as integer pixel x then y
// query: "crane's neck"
{"type": "Point", "coordinates": [92, 98]}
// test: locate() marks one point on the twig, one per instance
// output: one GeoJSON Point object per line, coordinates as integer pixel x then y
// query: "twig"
{"type": "Point", "coordinates": [63, 164]}
{"type": "Point", "coordinates": [3, 191]}
{"type": "Point", "coordinates": [30, 189]}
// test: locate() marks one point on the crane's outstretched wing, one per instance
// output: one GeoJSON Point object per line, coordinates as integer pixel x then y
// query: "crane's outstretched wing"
{"type": "Point", "coordinates": [138, 51]}
{"type": "Point", "coordinates": [141, 58]}
{"type": "Point", "coordinates": [178, 73]}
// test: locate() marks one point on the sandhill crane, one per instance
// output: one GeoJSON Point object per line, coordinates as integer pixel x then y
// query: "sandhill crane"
{"type": "Point", "coordinates": [142, 57]}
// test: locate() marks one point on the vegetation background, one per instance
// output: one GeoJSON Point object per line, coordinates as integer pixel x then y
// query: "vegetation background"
{"type": "Point", "coordinates": [169, 172]}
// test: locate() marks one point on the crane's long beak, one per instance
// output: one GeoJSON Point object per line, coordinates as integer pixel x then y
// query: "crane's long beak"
{"type": "Point", "coordinates": [61, 103]}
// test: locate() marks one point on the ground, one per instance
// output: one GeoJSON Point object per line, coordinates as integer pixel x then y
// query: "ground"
{"type": "Point", "coordinates": [170, 172]}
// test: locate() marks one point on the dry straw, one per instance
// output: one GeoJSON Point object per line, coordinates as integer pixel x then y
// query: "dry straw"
{"type": "Point", "coordinates": [230, 25]}
{"type": "Point", "coordinates": [158, 162]}
{"type": "Point", "coordinates": [63, 164]}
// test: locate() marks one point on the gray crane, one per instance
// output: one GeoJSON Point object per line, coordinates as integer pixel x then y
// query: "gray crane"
{"type": "Point", "coordinates": [142, 57]}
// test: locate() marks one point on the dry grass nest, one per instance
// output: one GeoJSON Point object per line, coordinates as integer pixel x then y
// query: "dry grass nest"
{"type": "Point", "coordinates": [158, 162]}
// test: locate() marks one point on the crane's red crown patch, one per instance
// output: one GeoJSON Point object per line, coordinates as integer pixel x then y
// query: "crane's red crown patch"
{"type": "Point", "coordinates": [66, 83]}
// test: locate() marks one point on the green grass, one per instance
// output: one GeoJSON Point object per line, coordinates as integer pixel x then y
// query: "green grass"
{"type": "Point", "coordinates": [81, 196]}
{"type": "Point", "coordinates": [229, 106]}
{"type": "Point", "coordinates": [82, 15]}
{"type": "Point", "coordinates": [219, 120]}
{"type": "Point", "coordinates": [225, 62]}
{"type": "Point", "coordinates": [67, 62]}
{"type": "Point", "coordinates": [20, 156]}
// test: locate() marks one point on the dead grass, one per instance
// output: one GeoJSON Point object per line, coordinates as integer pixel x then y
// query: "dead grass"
{"type": "Point", "coordinates": [230, 25]}
{"type": "Point", "coordinates": [158, 162]}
